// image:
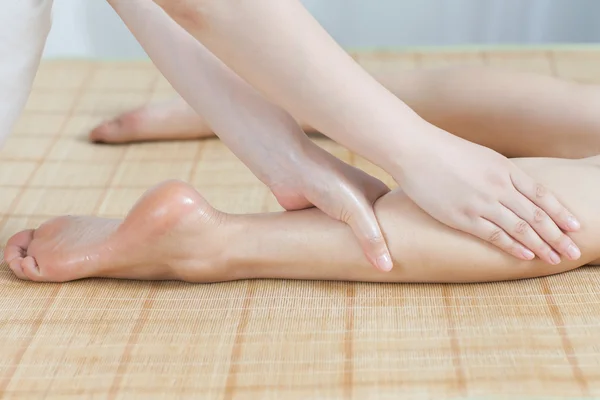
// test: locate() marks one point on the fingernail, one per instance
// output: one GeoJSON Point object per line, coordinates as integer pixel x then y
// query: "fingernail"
{"type": "Point", "coordinates": [384, 262]}
{"type": "Point", "coordinates": [528, 254]}
{"type": "Point", "coordinates": [554, 258]}
{"type": "Point", "coordinates": [572, 223]}
{"type": "Point", "coordinates": [573, 252]}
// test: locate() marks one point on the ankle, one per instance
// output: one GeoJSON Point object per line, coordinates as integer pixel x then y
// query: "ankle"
{"type": "Point", "coordinates": [243, 252]}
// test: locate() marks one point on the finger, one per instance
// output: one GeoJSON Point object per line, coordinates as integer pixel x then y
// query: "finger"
{"type": "Point", "coordinates": [541, 223]}
{"type": "Point", "coordinates": [522, 232]}
{"type": "Point", "coordinates": [364, 224]}
{"type": "Point", "coordinates": [546, 200]}
{"type": "Point", "coordinates": [492, 233]}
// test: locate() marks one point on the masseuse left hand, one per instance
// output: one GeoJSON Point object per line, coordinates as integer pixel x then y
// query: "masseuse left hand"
{"type": "Point", "coordinates": [314, 177]}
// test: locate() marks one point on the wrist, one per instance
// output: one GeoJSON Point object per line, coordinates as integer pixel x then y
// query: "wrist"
{"type": "Point", "coordinates": [231, 263]}
{"type": "Point", "coordinates": [409, 143]}
{"type": "Point", "coordinates": [430, 147]}
{"type": "Point", "coordinates": [245, 259]}
{"type": "Point", "coordinates": [284, 161]}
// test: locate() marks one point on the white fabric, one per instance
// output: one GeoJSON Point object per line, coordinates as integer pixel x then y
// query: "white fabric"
{"type": "Point", "coordinates": [24, 27]}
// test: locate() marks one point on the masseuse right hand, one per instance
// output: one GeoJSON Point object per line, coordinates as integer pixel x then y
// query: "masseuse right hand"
{"type": "Point", "coordinates": [478, 191]}
{"type": "Point", "coordinates": [314, 177]}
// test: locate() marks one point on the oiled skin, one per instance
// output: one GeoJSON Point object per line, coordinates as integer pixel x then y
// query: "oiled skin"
{"type": "Point", "coordinates": [173, 233]}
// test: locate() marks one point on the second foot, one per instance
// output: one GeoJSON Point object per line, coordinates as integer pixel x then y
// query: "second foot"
{"type": "Point", "coordinates": [172, 233]}
{"type": "Point", "coordinates": [172, 120]}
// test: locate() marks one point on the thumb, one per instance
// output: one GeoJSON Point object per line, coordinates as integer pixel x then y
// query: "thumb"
{"type": "Point", "coordinates": [364, 224]}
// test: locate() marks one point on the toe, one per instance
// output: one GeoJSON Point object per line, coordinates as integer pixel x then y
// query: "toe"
{"type": "Point", "coordinates": [108, 132]}
{"type": "Point", "coordinates": [30, 269]}
{"type": "Point", "coordinates": [16, 251]}
{"type": "Point", "coordinates": [15, 267]}
{"type": "Point", "coordinates": [17, 246]}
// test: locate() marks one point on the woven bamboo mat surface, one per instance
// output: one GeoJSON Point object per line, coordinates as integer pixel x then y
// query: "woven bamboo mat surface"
{"type": "Point", "coordinates": [261, 339]}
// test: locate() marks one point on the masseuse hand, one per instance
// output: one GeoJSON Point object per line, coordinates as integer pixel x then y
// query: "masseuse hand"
{"type": "Point", "coordinates": [478, 191]}
{"type": "Point", "coordinates": [315, 177]}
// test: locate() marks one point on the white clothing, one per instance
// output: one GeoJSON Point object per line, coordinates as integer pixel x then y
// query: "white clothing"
{"type": "Point", "coordinates": [24, 28]}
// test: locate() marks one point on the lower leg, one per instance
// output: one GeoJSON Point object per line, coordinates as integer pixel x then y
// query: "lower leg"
{"type": "Point", "coordinates": [172, 233]}
{"type": "Point", "coordinates": [423, 249]}
{"type": "Point", "coordinates": [516, 114]}
{"type": "Point", "coordinates": [513, 113]}
{"type": "Point", "coordinates": [169, 120]}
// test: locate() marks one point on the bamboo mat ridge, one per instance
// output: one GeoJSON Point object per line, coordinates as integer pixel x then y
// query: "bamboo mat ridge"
{"type": "Point", "coordinates": [531, 339]}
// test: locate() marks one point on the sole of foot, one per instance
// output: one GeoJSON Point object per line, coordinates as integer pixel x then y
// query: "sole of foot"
{"type": "Point", "coordinates": [171, 233]}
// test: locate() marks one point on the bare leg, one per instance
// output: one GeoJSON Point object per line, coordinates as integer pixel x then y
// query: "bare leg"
{"type": "Point", "coordinates": [516, 114]}
{"type": "Point", "coordinates": [168, 120]}
{"type": "Point", "coordinates": [423, 249]}
{"type": "Point", "coordinates": [172, 233]}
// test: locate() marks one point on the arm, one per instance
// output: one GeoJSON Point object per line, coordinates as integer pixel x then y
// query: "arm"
{"type": "Point", "coordinates": [265, 137]}
{"type": "Point", "coordinates": [278, 48]}
{"type": "Point", "coordinates": [314, 247]}
{"type": "Point", "coordinates": [230, 106]}
{"type": "Point", "coordinates": [24, 27]}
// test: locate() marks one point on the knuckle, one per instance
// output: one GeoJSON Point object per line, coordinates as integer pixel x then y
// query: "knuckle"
{"type": "Point", "coordinates": [496, 179]}
{"type": "Point", "coordinates": [345, 215]}
{"type": "Point", "coordinates": [487, 197]}
{"type": "Point", "coordinates": [538, 215]}
{"type": "Point", "coordinates": [542, 248]}
{"type": "Point", "coordinates": [472, 211]}
{"type": "Point", "coordinates": [563, 214]}
{"type": "Point", "coordinates": [375, 240]}
{"type": "Point", "coordinates": [521, 227]}
{"type": "Point", "coordinates": [540, 190]}
{"type": "Point", "coordinates": [561, 242]}
{"type": "Point", "coordinates": [495, 236]}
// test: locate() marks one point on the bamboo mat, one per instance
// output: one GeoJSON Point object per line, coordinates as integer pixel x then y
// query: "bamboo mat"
{"type": "Point", "coordinates": [261, 339]}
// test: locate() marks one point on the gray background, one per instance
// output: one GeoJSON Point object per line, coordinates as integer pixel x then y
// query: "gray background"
{"type": "Point", "coordinates": [90, 28]}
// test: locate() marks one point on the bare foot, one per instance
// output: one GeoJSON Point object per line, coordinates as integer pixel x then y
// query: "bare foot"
{"type": "Point", "coordinates": [171, 120]}
{"type": "Point", "coordinates": [171, 233]}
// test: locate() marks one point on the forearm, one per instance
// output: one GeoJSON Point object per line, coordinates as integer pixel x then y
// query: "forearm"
{"type": "Point", "coordinates": [282, 51]}
{"type": "Point", "coordinates": [308, 245]}
{"type": "Point", "coordinates": [254, 129]}
{"type": "Point", "coordinates": [24, 27]}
